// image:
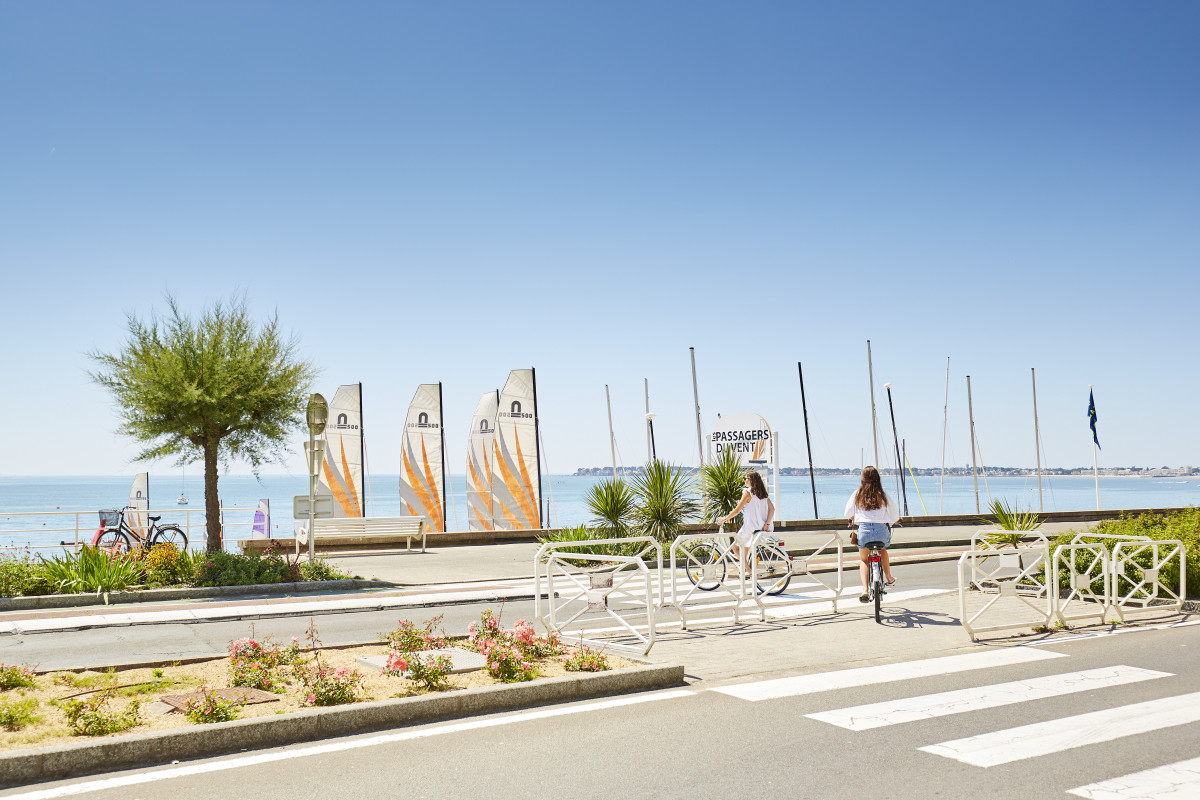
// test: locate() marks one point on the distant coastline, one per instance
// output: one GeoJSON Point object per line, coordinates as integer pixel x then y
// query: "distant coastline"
{"type": "Point", "coordinates": [996, 472]}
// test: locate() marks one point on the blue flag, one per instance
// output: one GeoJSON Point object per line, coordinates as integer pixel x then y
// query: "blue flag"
{"type": "Point", "coordinates": [1092, 416]}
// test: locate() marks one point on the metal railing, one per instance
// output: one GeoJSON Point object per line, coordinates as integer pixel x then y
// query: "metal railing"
{"type": "Point", "coordinates": [1081, 582]}
{"type": "Point", "coordinates": [592, 590]}
{"type": "Point", "coordinates": [79, 527]}
{"type": "Point", "coordinates": [709, 560]}
{"type": "Point", "coordinates": [1147, 592]}
{"type": "Point", "coordinates": [1010, 576]}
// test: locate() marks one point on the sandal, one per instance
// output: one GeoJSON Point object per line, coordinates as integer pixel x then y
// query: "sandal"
{"type": "Point", "coordinates": [892, 582]}
{"type": "Point", "coordinates": [862, 598]}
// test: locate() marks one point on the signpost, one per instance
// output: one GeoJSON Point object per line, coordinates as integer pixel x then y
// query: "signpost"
{"type": "Point", "coordinates": [316, 415]}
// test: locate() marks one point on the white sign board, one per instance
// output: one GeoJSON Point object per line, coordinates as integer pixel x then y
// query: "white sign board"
{"type": "Point", "coordinates": [323, 507]}
{"type": "Point", "coordinates": [748, 435]}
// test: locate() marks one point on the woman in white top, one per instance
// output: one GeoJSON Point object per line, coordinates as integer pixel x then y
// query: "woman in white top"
{"type": "Point", "coordinates": [874, 514]}
{"type": "Point", "coordinates": [757, 511]}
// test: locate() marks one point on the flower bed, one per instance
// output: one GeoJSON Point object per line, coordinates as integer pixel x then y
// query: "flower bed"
{"type": "Point", "coordinates": [298, 678]}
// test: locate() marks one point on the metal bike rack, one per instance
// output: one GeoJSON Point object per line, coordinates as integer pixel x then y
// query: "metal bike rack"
{"type": "Point", "coordinates": [1148, 593]}
{"type": "Point", "coordinates": [834, 541]}
{"type": "Point", "coordinates": [722, 544]}
{"type": "Point", "coordinates": [1082, 582]}
{"type": "Point", "coordinates": [1025, 588]}
{"type": "Point", "coordinates": [980, 544]}
{"type": "Point", "coordinates": [589, 591]}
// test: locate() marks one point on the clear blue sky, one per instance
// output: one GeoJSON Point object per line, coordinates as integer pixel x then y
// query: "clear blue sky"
{"type": "Point", "coordinates": [430, 191]}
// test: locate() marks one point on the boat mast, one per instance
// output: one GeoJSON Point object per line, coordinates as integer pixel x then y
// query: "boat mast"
{"type": "Point", "coordinates": [871, 378]}
{"type": "Point", "coordinates": [896, 439]}
{"type": "Point", "coordinates": [1037, 438]}
{"type": "Point", "coordinates": [808, 441]}
{"type": "Point", "coordinates": [536, 448]}
{"type": "Point", "coordinates": [696, 394]}
{"type": "Point", "coordinates": [362, 452]}
{"type": "Point", "coordinates": [612, 440]}
{"type": "Point", "coordinates": [442, 431]}
{"type": "Point", "coordinates": [971, 417]}
{"type": "Point", "coordinates": [945, 407]}
{"type": "Point", "coordinates": [649, 427]}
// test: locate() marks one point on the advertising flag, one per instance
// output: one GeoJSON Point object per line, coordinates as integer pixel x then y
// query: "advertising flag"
{"type": "Point", "coordinates": [516, 475]}
{"type": "Point", "coordinates": [480, 442]}
{"type": "Point", "coordinates": [342, 471]}
{"type": "Point", "coordinates": [422, 477]}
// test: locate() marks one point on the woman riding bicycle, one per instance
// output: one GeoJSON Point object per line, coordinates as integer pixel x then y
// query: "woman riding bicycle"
{"type": "Point", "coordinates": [757, 511]}
{"type": "Point", "coordinates": [874, 514]}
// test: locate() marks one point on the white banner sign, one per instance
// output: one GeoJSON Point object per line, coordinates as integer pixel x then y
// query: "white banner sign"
{"type": "Point", "coordinates": [748, 435]}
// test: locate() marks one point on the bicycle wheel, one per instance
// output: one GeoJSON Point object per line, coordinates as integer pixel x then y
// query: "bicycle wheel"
{"type": "Point", "coordinates": [704, 567]}
{"type": "Point", "coordinates": [877, 585]}
{"type": "Point", "coordinates": [774, 568]}
{"type": "Point", "coordinates": [172, 535]}
{"type": "Point", "coordinates": [113, 540]}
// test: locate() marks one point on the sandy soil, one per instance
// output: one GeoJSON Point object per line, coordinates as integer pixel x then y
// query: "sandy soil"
{"type": "Point", "coordinates": [183, 679]}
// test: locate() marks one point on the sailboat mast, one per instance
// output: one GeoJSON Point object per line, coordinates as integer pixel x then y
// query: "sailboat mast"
{"type": "Point", "coordinates": [945, 409]}
{"type": "Point", "coordinates": [536, 447]}
{"type": "Point", "coordinates": [871, 378]}
{"type": "Point", "coordinates": [1037, 438]}
{"type": "Point", "coordinates": [971, 417]}
{"type": "Point", "coordinates": [362, 451]}
{"type": "Point", "coordinates": [442, 431]}
{"type": "Point", "coordinates": [808, 441]}
{"type": "Point", "coordinates": [649, 427]}
{"type": "Point", "coordinates": [495, 456]}
{"type": "Point", "coordinates": [612, 440]}
{"type": "Point", "coordinates": [696, 395]}
{"type": "Point", "coordinates": [896, 439]}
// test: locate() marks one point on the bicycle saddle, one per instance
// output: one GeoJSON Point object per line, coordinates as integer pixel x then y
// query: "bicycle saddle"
{"type": "Point", "coordinates": [155, 519]}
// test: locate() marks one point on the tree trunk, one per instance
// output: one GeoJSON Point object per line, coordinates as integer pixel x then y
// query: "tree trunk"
{"type": "Point", "coordinates": [212, 504]}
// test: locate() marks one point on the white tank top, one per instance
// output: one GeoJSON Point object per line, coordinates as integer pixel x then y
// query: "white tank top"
{"type": "Point", "coordinates": [754, 514]}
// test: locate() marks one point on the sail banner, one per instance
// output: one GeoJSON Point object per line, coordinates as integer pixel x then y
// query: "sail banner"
{"type": "Point", "coordinates": [342, 471]}
{"type": "Point", "coordinates": [261, 529]}
{"type": "Point", "coordinates": [422, 478]}
{"type": "Point", "coordinates": [516, 473]}
{"type": "Point", "coordinates": [748, 435]}
{"type": "Point", "coordinates": [139, 504]}
{"type": "Point", "coordinates": [480, 441]}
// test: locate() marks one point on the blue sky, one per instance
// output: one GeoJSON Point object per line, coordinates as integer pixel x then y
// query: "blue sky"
{"type": "Point", "coordinates": [431, 192]}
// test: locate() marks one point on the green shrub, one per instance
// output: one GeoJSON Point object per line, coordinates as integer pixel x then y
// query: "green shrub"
{"type": "Point", "coordinates": [16, 714]}
{"type": "Point", "coordinates": [230, 569]}
{"type": "Point", "coordinates": [321, 570]}
{"type": "Point", "coordinates": [22, 575]}
{"type": "Point", "coordinates": [665, 501]}
{"type": "Point", "coordinates": [208, 707]}
{"type": "Point", "coordinates": [1182, 525]}
{"type": "Point", "coordinates": [92, 717]}
{"type": "Point", "coordinates": [91, 570]}
{"type": "Point", "coordinates": [13, 676]}
{"type": "Point", "coordinates": [612, 504]}
{"type": "Point", "coordinates": [721, 485]}
{"type": "Point", "coordinates": [166, 565]}
{"type": "Point", "coordinates": [585, 659]}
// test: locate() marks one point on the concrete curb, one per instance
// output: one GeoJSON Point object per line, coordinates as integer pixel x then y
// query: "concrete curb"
{"type": "Point", "coordinates": [48, 601]}
{"type": "Point", "coordinates": [150, 749]}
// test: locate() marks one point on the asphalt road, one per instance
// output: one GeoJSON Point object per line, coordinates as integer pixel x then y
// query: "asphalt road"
{"type": "Point", "coordinates": [1103, 708]}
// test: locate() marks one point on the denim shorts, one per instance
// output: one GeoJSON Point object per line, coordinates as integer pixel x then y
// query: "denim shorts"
{"type": "Point", "coordinates": [874, 532]}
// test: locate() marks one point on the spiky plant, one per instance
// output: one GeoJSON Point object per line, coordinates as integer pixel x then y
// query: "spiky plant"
{"type": "Point", "coordinates": [1013, 522]}
{"type": "Point", "coordinates": [665, 501]}
{"type": "Point", "coordinates": [721, 484]}
{"type": "Point", "coordinates": [612, 505]}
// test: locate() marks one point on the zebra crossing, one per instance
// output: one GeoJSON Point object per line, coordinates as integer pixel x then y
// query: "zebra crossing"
{"type": "Point", "coordinates": [1008, 745]}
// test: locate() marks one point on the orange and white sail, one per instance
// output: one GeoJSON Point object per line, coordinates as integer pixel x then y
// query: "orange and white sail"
{"type": "Point", "coordinates": [342, 471]}
{"type": "Point", "coordinates": [139, 504]}
{"type": "Point", "coordinates": [516, 471]}
{"type": "Point", "coordinates": [480, 442]}
{"type": "Point", "coordinates": [422, 473]}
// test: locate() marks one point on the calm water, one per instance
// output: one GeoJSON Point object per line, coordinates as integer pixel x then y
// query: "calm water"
{"type": "Point", "coordinates": [240, 495]}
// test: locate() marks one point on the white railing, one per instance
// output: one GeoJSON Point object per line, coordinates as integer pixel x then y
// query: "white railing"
{"type": "Point", "coordinates": [1147, 593]}
{"type": "Point", "coordinates": [980, 543]}
{"type": "Point", "coordinates": [709, 564]}
{"type": "Point", "coordinates": [77, 528]}
{"type": "Point", "coordinates": [800, 566]}
{"type": "Point", "coordinates": [1081, 583]}
{"type": "Point", "coordinates": [1010, 576]}
{"type": "Point", "coordinates": [573, 593]}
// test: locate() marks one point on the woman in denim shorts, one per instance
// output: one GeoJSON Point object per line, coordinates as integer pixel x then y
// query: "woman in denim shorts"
{"type": "Point", "coordinates": [874, 514]}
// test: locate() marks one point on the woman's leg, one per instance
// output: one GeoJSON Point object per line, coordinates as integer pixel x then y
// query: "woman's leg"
{"type": "Point", "coordinates": [864, 569]}
{"type": "Point", "coordinates": [887, 566]}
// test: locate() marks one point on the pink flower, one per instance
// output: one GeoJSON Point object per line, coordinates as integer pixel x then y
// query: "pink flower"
{"type": "Point", "coordinates": [312, 698]}
{"type": "Point", "coordinates": [295, 640]}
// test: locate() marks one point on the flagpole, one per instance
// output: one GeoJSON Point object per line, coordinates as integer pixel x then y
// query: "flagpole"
{"type": "Point", "coordinates": [871, 378]}
{"type": "Point", "coordinates": [971, 417]}
{"type": "Point", "coordinates": [1037, 438]}
{"type": "Point", "coordinates": [1095, 451]}
{"type": "Point", "coordinates": [696, 395]}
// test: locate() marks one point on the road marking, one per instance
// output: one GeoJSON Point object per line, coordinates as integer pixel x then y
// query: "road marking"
{"type": "Point", "coordinates": [911, 709]}
{"type": "Point", "coordinates": [336, 747]}
{"type": "Point", "coordinates": [883, 673]}
{"type": "Point", "coordinates": [1043, 738]}
{"type": "Point", "coordinates": [1079, 637]}
{"type": "Point", "coordinates": [1179, 781]}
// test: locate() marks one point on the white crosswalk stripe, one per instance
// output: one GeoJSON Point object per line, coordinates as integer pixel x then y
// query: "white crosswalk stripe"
{"type": "Point", "coordinates": [1179, 781]}
{"type": "Point", "coordinates": [884, 673]}
{"type": "Point", "coordinates": [1067, 733]}
{"type": "Point", "coordinates": [911, 709]}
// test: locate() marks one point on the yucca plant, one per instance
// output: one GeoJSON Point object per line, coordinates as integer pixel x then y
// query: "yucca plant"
{"type": "Point", "coordinates": [1013, 522]}
{"type": "Point", "coordinates": [665, 501]}
{"type": "Point", "coordinates": [721, 484]}
{"type": "Point", "coordinates": [612, 505]}
{"type": "Point", "coordinates": [91, 570]}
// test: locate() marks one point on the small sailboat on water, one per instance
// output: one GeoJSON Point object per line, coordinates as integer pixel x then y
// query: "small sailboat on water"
{"type": "Point", "coordinates": [183, 498]}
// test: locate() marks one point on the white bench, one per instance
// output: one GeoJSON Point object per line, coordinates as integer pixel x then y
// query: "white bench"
{"type": "Point", "coordinates": [367, 531]}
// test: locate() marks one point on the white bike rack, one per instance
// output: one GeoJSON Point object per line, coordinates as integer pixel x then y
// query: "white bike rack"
{"type": "Point", "coordinates": [575, 593]}
{"type": "Point", "coordinates": [979, 542]}
{"type": "Point", "coordinates": [1147, 593]}
{"type": "Point", "coordinates": [727, 567]}
{"type": "Point", "coordinates": [834, 541]}
{"type": "Point", "coordinates": [1010, 575]}
{"type": "Point", "coordinates": [1081, 584]}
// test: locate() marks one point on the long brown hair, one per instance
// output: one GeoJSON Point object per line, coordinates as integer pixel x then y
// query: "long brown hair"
{"type": "Point", "coordinates": [870, 494]}
{"type": "Point", "coordinates": [757, 488]}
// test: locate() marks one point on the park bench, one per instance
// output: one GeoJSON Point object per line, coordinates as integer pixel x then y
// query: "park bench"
{"type": "Point", "coordinates": [364, 532]}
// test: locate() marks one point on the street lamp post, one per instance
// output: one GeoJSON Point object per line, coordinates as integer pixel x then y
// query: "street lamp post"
{"type": "Point", "coordinates": [316, 414]}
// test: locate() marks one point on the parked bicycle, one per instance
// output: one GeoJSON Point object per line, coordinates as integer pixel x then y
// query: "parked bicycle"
{"type": "Point", "coordinates": [709, 561]}
{"type": "Point", "coordinates": [116, 535]}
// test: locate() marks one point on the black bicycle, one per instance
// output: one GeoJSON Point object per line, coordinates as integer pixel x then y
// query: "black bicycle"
{"type": "Point", "coordinates": [117, 536]}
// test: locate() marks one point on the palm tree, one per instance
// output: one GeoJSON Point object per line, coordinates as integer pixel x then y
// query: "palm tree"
{"type": "Point", "coordinates": [665, 501]}
{"type": "Point", "coordinates": [612, 505]}
{"type": "Point", "coordinates": [721, 484]}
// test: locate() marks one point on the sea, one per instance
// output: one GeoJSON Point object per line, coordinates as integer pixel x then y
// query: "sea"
{"type": "Point", "coordinates": [46, 512]}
